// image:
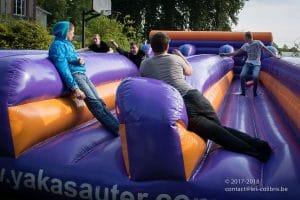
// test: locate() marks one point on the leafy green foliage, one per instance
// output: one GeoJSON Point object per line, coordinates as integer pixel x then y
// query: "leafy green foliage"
{"type": "Point", "coordinates": [147, 15]}
{"type": "Point", "coordinates": [214, 15]}
{"type": "Point", "coordinates": [65, 9]}
{"type": "Point", "coordinates": [111, 29]}
{"type": "Point", "coordinates": [23, 34]}
{"type": "Point", "coordinates": [295, 49]}
{"type": "Point", "coordinates": [57, 8]}
{"type": "Point", "coordinates": [122, 31]}
{"type": "Point", "coordinates": [180, 14]}
{"type": "Point", "coordinates": [130, 20]}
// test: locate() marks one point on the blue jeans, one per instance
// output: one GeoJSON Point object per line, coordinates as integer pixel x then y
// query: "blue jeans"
{"type": "Point", "coordinates": [255, 73]}
{"type": "Point", "coordinates": [96, 104]}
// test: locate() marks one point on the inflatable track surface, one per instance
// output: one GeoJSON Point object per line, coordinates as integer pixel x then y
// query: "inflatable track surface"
{"type": "Point", "coordinates": [52, 148]}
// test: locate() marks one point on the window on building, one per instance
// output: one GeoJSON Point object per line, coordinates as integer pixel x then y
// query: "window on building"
{"type": "Point", "coordinates": [20, 7]}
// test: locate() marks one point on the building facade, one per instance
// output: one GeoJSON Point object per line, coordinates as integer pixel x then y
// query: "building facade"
{"type": "Point", "coordinates": [19, 8]}
{"type": "Point", "coordinates": [27, 9]}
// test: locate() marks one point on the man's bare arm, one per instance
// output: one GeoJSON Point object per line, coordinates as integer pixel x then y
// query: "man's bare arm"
{"type": "Point", "coordinates": [187, 69]}
{"type": "Point", "coordinates": [237, 52]}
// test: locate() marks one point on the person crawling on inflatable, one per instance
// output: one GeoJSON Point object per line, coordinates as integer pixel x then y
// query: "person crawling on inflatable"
{"type": "Point", "coordinates": [202, 118]}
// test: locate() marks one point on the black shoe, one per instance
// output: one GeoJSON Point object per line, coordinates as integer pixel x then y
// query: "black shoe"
{"type": "Point", "coordinates": [265, 151]}
{"type": "Point", "coordinates": [114, 131]}
{"type": "Point", "coordinates": [243, 94]}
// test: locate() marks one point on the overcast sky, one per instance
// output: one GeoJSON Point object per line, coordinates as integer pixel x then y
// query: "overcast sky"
{"type": "Point", "coordinates": [281, 17]}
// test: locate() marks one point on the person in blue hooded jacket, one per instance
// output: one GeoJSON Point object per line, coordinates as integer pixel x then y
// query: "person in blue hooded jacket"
{"type": "Point", "coordinates": [72, 71]}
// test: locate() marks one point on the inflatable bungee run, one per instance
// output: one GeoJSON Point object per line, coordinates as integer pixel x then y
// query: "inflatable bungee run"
{"type": "Point", "coordinates": [51, 147]}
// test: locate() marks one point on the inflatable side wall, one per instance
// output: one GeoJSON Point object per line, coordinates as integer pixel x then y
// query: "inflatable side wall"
{"type": "Point", "coordinates": [283, 82]}
{"type": "Point", "coordinates": [34, 100]}
{"type": "Point", "coordinates": [155, 142]}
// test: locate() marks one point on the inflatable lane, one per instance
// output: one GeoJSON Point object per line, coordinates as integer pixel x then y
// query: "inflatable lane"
{"type": "Point", "coordinates": [270, 116]}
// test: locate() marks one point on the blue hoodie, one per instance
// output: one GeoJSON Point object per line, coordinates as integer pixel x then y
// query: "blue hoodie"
{"type": "Point", "coordinates": [64, 56]}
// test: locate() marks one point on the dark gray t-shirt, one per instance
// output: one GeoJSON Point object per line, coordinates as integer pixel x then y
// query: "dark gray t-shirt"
{"type": "Point", "coordinates": [168, 68]}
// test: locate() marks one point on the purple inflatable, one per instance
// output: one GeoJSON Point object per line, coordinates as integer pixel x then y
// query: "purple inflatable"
{"type": "Point", "coordinates": [85, 161]}
{"type": "Point", "coordinates": [187, 49]}
{"type": "Point", "coordinates": [147, 50]}
{"type": "Point", "coordinates": [226, 49]}
{"type": "Point", "coordinates": [266, 55]}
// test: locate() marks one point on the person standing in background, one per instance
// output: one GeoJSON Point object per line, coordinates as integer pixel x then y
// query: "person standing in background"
{"type": "Point", "coordinates": [253, 49]}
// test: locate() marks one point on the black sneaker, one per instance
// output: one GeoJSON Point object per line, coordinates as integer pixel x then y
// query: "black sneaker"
{"type": "Point", "coordinates": [265, 150]}
{"type": "Point", "coordinates": [257, 94]}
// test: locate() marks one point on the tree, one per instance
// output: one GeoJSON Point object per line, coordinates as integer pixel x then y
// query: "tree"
{"type": "Point", "coordinates": [285, 48]}
{"type": "Point", "coordinates": [277, 47]}
{"type": "Point", "coordinates": [123, 30]}
{"type": "Point", "coordinates": [65, 9]}
{"type": "Point", "coordinates": [180, 14]}
{"type": "Point", "coordinates": [124, 8]}
{"type": "Point", "coordinates": [58, 9]}
{"type": "Point", "coordinates": [75, 9]}
{"type": "Point", "coordinates": [147, 15]}
{"type": "Point", "coordinates": [110, 29]}
{"type": "Point", "coordinates": [294, 49]}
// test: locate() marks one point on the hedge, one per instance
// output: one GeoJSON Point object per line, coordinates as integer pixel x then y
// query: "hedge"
{"type": "Point", "coordinates": [23, 34]}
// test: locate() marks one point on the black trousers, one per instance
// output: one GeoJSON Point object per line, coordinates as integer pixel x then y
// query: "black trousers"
{"type": "Point", "coordinates": [204, 121]}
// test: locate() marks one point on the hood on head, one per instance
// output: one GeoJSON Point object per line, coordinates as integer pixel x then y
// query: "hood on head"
{"type": "Point", "coordinates": [61, 29]}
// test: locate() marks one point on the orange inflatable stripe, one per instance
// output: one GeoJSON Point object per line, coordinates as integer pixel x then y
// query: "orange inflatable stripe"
{"type": "Point", "coordinates": [124, 147]}
{"type": "Point", "coordinates": [216, 93]}
{"type": "Point", "coordinates": [213, 35]}
{"type": "Point", "coordinates": [34, 122]}
{"type": "Point", "coordinates": [289, 101]}
{"type": "Point", "coordinates": [193, 148]}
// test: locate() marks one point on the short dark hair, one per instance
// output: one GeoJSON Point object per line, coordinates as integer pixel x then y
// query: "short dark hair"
{"type": "Point", "coordinates": [133, 43]}
{"type": "Point", "coordinates": [159, 42]}
{"type": "Point", "coordinates": [96, 36]}
{"type": "Point", "coordinates": [71, 25]}
{"type": "Point", "coordinates": [248, 35]}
